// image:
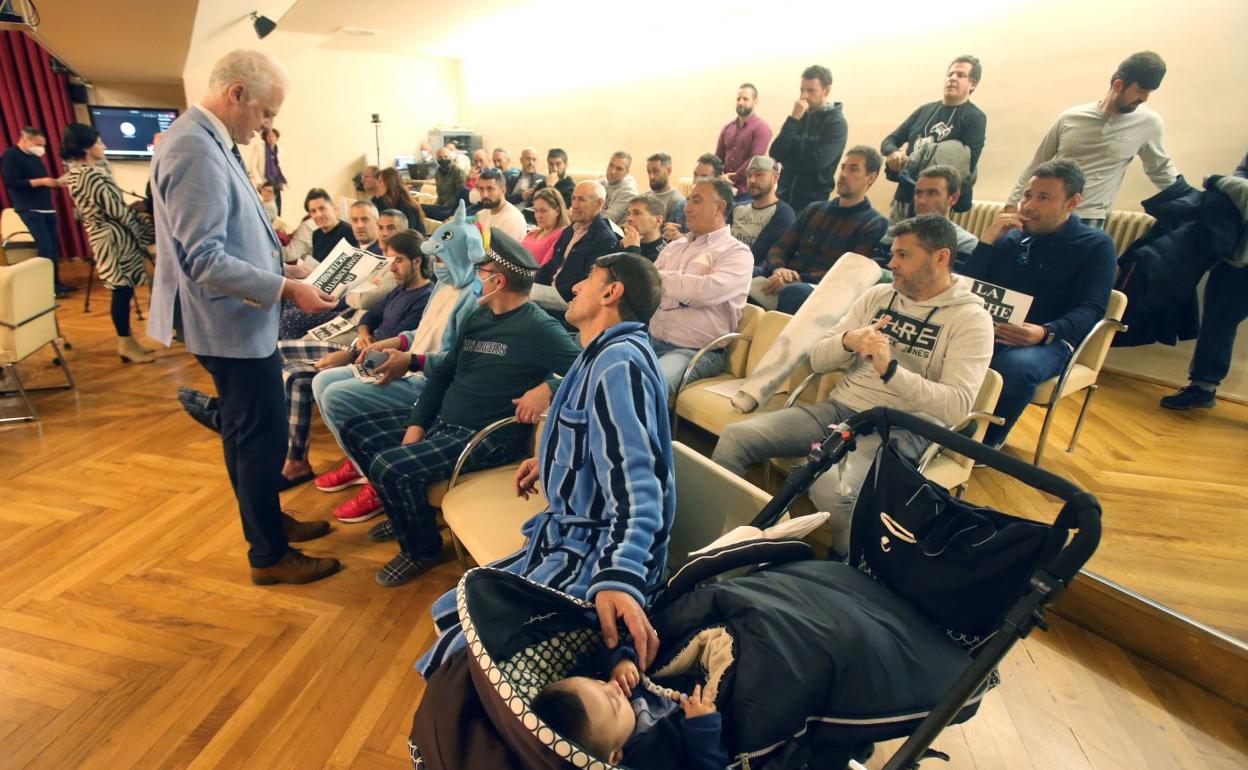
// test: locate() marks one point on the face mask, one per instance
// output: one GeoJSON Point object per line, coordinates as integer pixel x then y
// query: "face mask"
{"type": "Point", "coordinates": [38, 151]}
{"type": "Point", "coordinates": [481, 300]}
{"type": "Point", "coordinates": [444, 163]}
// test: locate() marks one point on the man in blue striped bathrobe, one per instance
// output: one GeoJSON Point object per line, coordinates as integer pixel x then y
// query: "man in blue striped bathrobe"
{"type": "Point", "coordinates": [605, 466]}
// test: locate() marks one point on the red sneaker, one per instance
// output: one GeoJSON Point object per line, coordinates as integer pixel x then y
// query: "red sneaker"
{"type": "Point", "coordinates": [362, 507]}
{"type": "Point", "coordinates": [340, 478]}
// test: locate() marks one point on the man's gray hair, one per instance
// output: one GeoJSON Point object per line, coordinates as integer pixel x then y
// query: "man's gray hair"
{"type": "Point", "coordinates": [258, 72]}
{"type": "Point", "coordinates": [363, 204]}
{"type": "Point", "coordinates": [396, 215]}
{"type": "Point", "coordinates": [599, 190]}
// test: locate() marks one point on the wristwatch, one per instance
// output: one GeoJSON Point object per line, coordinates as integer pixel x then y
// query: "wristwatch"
{"type": "Point", "coordinates": [1049, 335]}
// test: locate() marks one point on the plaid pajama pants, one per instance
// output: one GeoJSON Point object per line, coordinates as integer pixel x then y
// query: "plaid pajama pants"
{"type": "Point", "coordinates": [401, 474]}
{"type": "Point", "coordinates": [298, 368]}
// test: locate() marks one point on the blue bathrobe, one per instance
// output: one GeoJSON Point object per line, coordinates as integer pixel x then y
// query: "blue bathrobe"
{"type": "Point", "coordinates": [606, 470]}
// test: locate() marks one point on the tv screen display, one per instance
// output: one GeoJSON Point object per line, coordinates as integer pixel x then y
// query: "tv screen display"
{"type": "Point", "coordinates": [128, 131]}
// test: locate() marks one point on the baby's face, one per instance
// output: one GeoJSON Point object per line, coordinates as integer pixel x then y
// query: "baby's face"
{"type": "Point", "coordinates": [611, 716]}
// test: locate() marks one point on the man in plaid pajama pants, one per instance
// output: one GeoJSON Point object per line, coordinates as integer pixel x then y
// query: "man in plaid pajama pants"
{"type": "Point", "coordinates": [509, 348]}
{"type": "Point", "coordinates": [401, 309]}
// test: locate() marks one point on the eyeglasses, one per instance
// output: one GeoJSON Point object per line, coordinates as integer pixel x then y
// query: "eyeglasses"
{"type": "Point", "coordinates": [482, 269]}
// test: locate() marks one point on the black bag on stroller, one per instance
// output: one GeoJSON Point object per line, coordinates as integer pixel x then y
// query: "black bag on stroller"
{"type": "Point", "coordinates": [825, 658]}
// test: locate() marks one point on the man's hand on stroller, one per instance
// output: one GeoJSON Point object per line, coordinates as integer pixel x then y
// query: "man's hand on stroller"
{"type": "Point", "coordinates": [618, 604]}
{"type": "Point", "coordinates": [626, 675]}
{"type": "Point", "coordinates": [697, 705]}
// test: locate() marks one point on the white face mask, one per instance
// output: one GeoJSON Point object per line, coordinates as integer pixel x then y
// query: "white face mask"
{"type": "Point", "coordinates": [37, 150]}
{"type": "Point", "coordinates": [481, 300]}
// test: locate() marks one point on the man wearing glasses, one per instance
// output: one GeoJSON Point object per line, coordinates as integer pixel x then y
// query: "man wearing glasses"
{"type": "Point", "coordinates": [1067, 267]}
{"type": "Point", "coordinates": [509, 348]}
{"type": "Point", "coordinates": [605, 466]}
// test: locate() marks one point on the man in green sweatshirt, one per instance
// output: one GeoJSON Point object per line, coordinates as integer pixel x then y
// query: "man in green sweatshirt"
{"type": "Point", "coordinates": [509, 350]}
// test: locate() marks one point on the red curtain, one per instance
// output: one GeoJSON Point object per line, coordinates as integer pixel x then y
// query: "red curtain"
{"type": "Point", "coordinates": [31, 94]}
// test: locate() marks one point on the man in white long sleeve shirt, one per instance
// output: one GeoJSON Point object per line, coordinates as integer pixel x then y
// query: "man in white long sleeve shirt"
{"type": "Point", "coordinates": [920, 344]}
{"type": "Point", "coordinates": [706, 278]}
{"type": "Point", "coordinates": [1103, 137]}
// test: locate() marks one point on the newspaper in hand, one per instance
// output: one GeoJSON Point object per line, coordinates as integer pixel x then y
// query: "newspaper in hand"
{"type": "Point", "coordinates": [344, 268]}
{"type": "Point", "coordinates": [1004, 305]}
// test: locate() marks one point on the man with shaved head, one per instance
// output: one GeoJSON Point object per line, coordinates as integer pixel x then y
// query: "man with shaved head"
{"type": "Point", "coordinates": [588, 237]}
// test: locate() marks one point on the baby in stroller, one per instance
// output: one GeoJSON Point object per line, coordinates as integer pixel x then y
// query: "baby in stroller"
{"type": "Point", "coordinates": [615, 718]}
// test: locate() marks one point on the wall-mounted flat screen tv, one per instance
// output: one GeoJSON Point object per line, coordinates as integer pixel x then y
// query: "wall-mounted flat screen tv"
{"type": "Point", "coordinates": [128, 131]}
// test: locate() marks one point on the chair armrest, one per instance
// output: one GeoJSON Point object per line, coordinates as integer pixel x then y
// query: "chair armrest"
{"type": "Point", "coordinates": [476, 440]}
{"type": "Point", "coordinates": [801, 388]}
{"type": "Point", "coordinates": [23, 241]}
{"type": "Point", "coordinates": [1111, 323]}
{"type": "Point", "coordinates": [704, 350]}
{"type": "Point", "coordinates": [936, 450]}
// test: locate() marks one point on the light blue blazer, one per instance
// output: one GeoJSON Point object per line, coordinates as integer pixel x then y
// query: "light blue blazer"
{"type": "Point", "coordinates": [216, 254]}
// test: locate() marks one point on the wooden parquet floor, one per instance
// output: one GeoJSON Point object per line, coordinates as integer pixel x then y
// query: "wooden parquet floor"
{"type": "Point", "coordinates": [130, 636]}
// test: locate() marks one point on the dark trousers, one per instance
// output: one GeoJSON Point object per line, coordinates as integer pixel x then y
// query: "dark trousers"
{"type": "Point", "coordinates": [42, 228]}
{"type": "Point", "coordinates": [1021, 370]}
{"type": "Point", "coordinates": [253, 432]}
{"type": "Point", "coordinates": [1226, 307]}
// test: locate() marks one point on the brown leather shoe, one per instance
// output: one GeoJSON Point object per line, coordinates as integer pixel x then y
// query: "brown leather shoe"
{"type": "Point", "coordinates": [295, 568]}
{"type": "Point", "coordinates": [299, 531]}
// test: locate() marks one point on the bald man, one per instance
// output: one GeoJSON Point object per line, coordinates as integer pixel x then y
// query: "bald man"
{"type": "Point", "coordinates": [590, 236]}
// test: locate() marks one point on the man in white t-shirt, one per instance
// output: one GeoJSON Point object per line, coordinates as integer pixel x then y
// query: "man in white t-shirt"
{"type": "Point", "coordinates": [493, 210]}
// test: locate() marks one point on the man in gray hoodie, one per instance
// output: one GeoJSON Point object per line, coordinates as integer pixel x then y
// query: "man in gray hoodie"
{"type": "Point", "coordinates": [920, 344]}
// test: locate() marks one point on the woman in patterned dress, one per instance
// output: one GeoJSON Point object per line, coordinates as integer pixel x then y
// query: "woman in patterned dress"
{"type": "Point", "coordinates": [119, 236]}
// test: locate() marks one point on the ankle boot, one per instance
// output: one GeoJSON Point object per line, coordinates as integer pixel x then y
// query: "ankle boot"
{"type": "Point", "coordinates": [131, 353]}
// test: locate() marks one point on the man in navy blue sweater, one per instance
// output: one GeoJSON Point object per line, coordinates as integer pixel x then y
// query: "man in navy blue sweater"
{"type": "Point", "coordinates": [1068, 269]}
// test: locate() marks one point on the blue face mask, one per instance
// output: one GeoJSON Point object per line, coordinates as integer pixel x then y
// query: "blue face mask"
{"type": "Point", "coordinates": [442, 272]}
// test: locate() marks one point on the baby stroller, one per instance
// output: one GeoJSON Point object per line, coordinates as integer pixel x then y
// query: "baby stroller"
{"type": "Point", "coordinates": [811, 662]}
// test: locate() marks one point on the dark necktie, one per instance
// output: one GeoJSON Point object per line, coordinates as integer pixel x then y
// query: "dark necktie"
{"type": "Point", "coordinates": [239, 157]}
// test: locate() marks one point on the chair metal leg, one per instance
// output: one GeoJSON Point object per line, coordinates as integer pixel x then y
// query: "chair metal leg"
{"type": "Point", "coordinates": [12, 370]}
{"type": "Point", "coordinates": [138, 306]}
{"type": "Point", "coordinates": [459, 550]}
{"type": "Point", "coordinates": [64, 364]}
{"type": "Point", "coordinates": [1083, 412]}
{"type": "Point", "coordinates": [1049, 413]}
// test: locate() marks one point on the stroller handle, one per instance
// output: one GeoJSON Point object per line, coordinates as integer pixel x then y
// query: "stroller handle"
{"type": "Point", "coordinates": [1080, 512]}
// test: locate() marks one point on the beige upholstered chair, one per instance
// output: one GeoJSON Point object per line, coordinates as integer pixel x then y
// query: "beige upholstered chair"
{"type": "Point", "coordinates": [713, 412]}
{"type": "Point", "coordinates": [1126, 226]}
{"type": "Point", "coordinates": [977, 219]}
{"type": "Point", "coordinates": [485, 516]}
{"type": "Point", "coordinates": [27, 323]}
{"type": "Point", "coordinates": [685, 185]}
{"type": "Point", "coordinates": [16, 242]}
{"type": "Point", "coordinates": [950, 469]}
{"type": "Point", "coordinates": [1081, 373]}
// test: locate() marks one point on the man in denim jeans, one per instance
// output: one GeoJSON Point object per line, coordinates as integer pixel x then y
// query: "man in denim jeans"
{"type": "Point", "coordinates": [706, 278]}
{"type": "Point", "coordinates": [1066, 266]}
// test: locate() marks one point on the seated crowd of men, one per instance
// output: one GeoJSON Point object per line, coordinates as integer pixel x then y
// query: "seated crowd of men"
{"type": "Point", "coordinates": [593, 315]}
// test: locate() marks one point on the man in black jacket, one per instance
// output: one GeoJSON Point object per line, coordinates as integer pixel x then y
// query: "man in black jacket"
{"type": "Point", "coordinates": [557, 175]}
{"type": "Point", "coordinates": [810, 142]}
{"type": "Point", "coordinates": [588, 237]}
{"type": "Point", "coordinates": [952, 118]}
{"type": "Point", "coordinates": [30, 188]}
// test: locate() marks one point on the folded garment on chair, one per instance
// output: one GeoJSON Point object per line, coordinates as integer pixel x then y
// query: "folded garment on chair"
{"type": "Point", "coordinates": [841, 285]}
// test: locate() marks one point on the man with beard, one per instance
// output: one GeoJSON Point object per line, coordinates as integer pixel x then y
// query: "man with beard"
{"type": "Point", "coordinates": [492, 210]}
{"type": "Point", "coordinates": [1068, 269]}
{"type": "Point", "coordinates": [449, 180]}
{"type": "Point", "coordinates": [1103, 137]}
{"type": "Point", "coordinates": [821, 234]}
{"type": "Point", "coordinates": [811, 141]}
{"type": "Point", "coordinates": [920, 344]}
{"type": "Point", "coordinates": [620, 186]}
{"type": "Point", "coordinates": [659, 172]}
{"type": "Point", "coordinates": [743, 138]}
{"type": "Point", "coordinates": [760, 223]}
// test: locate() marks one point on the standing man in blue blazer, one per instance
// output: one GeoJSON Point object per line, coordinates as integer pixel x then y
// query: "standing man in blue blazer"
{"type": "Point", "coordinates": [219, 281]}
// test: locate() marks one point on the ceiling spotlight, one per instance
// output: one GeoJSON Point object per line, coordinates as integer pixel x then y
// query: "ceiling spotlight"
{"type": "Point", "coordinates": [263, 24]}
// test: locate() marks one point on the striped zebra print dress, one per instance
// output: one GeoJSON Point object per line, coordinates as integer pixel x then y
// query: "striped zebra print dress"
{"type": "Point", "coordinates": [119, 237]}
